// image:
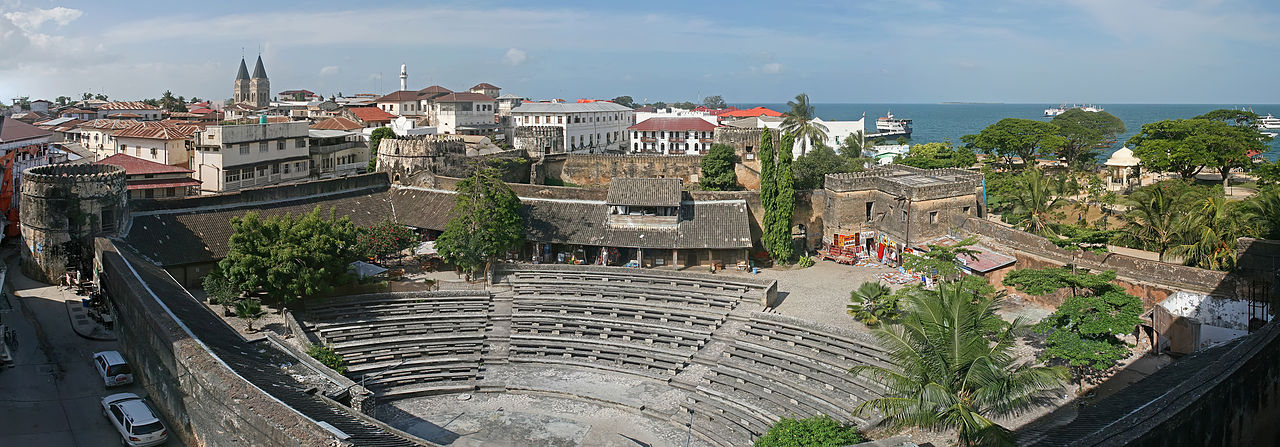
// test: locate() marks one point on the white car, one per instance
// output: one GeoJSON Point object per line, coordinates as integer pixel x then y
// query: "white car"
{"type": "Point", "coordinates": [113, 369]}
{"type": "Point", "coordinates": [133, 418]}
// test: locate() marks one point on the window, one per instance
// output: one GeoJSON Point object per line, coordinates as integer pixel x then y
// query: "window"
{"type": "Point", "coordinates": [299, 143]}
{"type": "Point", "coordinates": [170, 192]}
{"type": "Point", "coordinates": [280, 145]}
{"type": "Point", "coordinates": [904, 215]}
{"type": "Point", "coordinates": [232, 176]}
{"type": "Point", "coordinates": [244, 148]}
{"type": "Point", "coordinates": [560, 119]}
{"type": "Point", "coordinates": [262, 147]}
{"type": "Point", "coordinates": [124, 148]}
{"type": "Point", "coordinates": [286, 168]}
{"type": "Point", "coordinates": [149, 194]}
{"type": "Point", "coordinates": [966, 210]}
{"type": "Point", "coordinates": [275, 169]}
{"type": "Point", "coordinates": [153, 152]}
{"type": "Point", "coordinates": [933, 217]}
{"type": "Point", "coordinates": [246, 174]}
{"type": "Point", "coordinates": [870, 208]}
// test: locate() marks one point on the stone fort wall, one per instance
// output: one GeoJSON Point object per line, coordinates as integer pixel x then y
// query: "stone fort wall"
{"type": "Point", "coordinates": [62, 207]}
{"type": "Point", "coordinates": [598, 170]}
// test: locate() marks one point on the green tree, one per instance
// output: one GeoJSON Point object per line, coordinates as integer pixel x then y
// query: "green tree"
{"type": "Point", "coordinates": [625, 101]}
{"type": "Point", "coordinates": [718, 172]}
{"type": "Point", "coordinates": [714, 102]}
{"type": "Point", "coordinates": [1036, 203]}
{"type": "Point", "coordinates": [328, 357]}
{"type": "Point", "coordinates": [1083, 133]}
{"type": "Point", "coordinates": [873, 303]}
{"type": "Point", "coordinates": [784, 205]}
{"type": "Point", "coordinates": [938, 155]}
{"type": "Point", "coordinates": [768, 188]}
{"type": "Point", "coordinates": [86, 96]}
{"type": "Point", "coordinates": [812, 168]}
{"type": "Point", "coordinates": [1231, 116]}
{"type": "Point", "coordinates": [288, 258]}
{"type": "Point", "coordinates": [484, 224]}
{"type": "Point", "coordinates": [1189, 146]}
{"type": "Point", "coordinates": [383, 239]}
{"type": "Point", "coordinates": [1264, 210]}
{"type": "Point", "coordinates": [817, 431]}
{"type": "Point", "coordinates": [1015, 137]}
{"type": "Point", "coordinates": [952, 368]}
{"type": "Point", "coordinates": [63, 100]}
{"type": "Point", "coordinates": [100, 97]}
{"type": "Point", "coordinates": [1210, 230]}
{"type": "Point", "coordinates": [375, 139]}
{"type": "Point", "coordinates": [1083, 331]}
{"type": "Point", "coordinates": [686, 105]}
{"type": "Point", "coordinates": [659, 105]}
{"type": "Point", "coordinates": [1152, 221]}
{"type": "Point", "coordinates": [943, 261]}
{"type": "Point", "coordinates": [851, 146]}
{"type": "Point", "coordinates": [799, 122]}
{"type": "Point", "coordinates": [218, 289]}
{"type": "Point", "coordinates": [248, 309]}
{"type": "Point", "coordinates": [1267, 172]}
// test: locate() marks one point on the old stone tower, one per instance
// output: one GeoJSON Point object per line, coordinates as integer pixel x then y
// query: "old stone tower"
{"type": "Point", "coordinates": [255, 90]}
{"type": "Point", "coordinates": [63, 207]}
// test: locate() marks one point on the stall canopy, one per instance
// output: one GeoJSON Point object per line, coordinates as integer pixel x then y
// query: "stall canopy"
{"type": "Point", "coordinates": [365, 269]}
{"type": "Point", "coordinates": [985, 260]}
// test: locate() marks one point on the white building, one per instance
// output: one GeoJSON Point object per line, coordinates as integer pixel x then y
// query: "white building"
{"type": "Point", "coordinates": [229, 158]}
{"type": "Point", "coordinates": [586, 127]}
{"type": "Point", "coordinates": [402, 103]}
{"type": "Point", "coordinates": [124, 109]}
{"type": "Point", "coordinates": [672, 112]}
{"type": "Point", "coordinates": [15, 134]}
{"type": "Point", "coordinates": [672, 135]}
{"type": "Point", "coordinates": [158, 142]}
{"type": "Point", "coordinates": [465, 113]}
{"type": "Point", "coordinates": [337, 153]}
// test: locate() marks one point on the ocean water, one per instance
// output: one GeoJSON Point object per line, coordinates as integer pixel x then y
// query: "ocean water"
{"type": "Point", "coordinates": [943, 122]}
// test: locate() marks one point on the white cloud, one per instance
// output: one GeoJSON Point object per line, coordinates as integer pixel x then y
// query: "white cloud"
{"type": "Point", "coordinates": [330, 70]}
{"type": "Point", "coordinates": [771, 68]}
{"type": "Point", "coordinates": [31, 20]}
{"type": "Point", "coordinates": [515, 56]}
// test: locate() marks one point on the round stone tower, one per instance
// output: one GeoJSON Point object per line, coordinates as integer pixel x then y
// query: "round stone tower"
{"type": "Point", "coordinates": [62, 208]}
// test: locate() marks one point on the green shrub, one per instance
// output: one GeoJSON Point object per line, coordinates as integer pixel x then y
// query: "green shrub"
{"type": "Point", "coordinates": [328, 357]}
{"type": "Point", "coordinates": [817, 431]}
{"type": "Point", "coordinates": [873, 303]}
{"type": "Point", "coordinates": [805, 262]}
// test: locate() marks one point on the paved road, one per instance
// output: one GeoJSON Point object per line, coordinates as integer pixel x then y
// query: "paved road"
{"type": "Point", "coordinates": [50, 397]}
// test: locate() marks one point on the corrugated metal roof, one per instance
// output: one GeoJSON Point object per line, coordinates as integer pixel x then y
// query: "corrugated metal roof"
{"type": "Point", "coordinates": [645, 191]}
{"type": "Point", "coordinates": [568, 107]}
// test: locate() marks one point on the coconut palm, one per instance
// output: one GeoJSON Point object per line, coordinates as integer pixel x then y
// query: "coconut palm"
{"type": "Point", "coordinates": [1209, 233]}
{"type": "Point", "coordinates": [799, 122]}
{"type": "Point", "coordinates": [953, 369]}
{"type": "Point", "coordinates": [1264, 211]}
{"type": "Point", "coordinates": [1037, 202]}
{"type": "Point", "coordinates": [873, 303]}
{"type": "Point", "coordinates": [1153, 220]}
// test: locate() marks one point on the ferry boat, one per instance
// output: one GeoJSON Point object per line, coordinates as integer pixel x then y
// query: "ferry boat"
{"type": "Point", "coordinates": [1055, 111]}
{"type": "Point", "coordinates": [888, 126]}
{"type": "Point", "coordinates": [1267, 123]}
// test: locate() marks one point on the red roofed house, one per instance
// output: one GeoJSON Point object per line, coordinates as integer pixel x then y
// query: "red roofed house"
{"type": "Point", "coordinates": [369, 116]}
{"type": "Point", "coordinates": [487, 89]}
{"type": "Point", "coordinates": [402, 103]}
{"type": "Point", "coordinates": [749, 113]}
{"type": "Point", "coordinates": [143, 110]}
{"type": "Point", "coordinates": [337, 123]}
{"type": "Point", "coordinates": [15, 134]}
{"type": "Point", "coordinates": [158, 142]}
{"type": "Point", "coordinates": [672, 136]}
{"type": "Point", "coordinates": [149, 180]}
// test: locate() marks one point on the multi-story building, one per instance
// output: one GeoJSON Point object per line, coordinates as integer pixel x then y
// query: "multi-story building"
{"type": "Point", "coordinates": [487, 89]}
{"type": "Point", "coordinates": [150, 180]}
{"type": "Point", "coordinates": [672, 136]}
{"type": "Point", "coordinates": [337, 152]}
{"type": "Point", "coordinates": [96, 135]}
{"type": "Point", "coordinates": [158, 142]}
{"type": "Point", "coordinates": [369, 117]}
{"type": "Point", "coordinates": [124, 109]}
{"type": "Point", "coordinates": [15, 134]}
{"type": "Point", "coordinates": [465, 114]}
{"type": "Point", "coordinates": [229, 158]}
{"type": "Point", "coordinates": [402, 103]}
{"type": "Point", "coordinates": [555, 127]}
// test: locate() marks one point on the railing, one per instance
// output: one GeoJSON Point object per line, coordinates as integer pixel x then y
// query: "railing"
{"type": "Point", "coordinates": [338, 147]}
{"type": "Point", "coordinates": [648, 140]}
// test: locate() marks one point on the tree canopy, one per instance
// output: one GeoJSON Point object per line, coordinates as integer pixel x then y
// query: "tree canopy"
{"type": "Point", "coordinates": [383, 239]}
{"type": "Point", "coordinates": [484, 224]}
{"type": "Point", "coordinates": [714, 102]}
{"type": "Point", "coordinates": [799, 122]}
{"type": "Point", "coordinates": [1016, 137]}
{"type": "Point", "coordinates": [375, 139]}
{"type": "Point", "coordinates": [938, 155]}
{"type": "Point", "coordinates": [718, 169]}
{"type": "Point", "coordinates": [817, 431]}
{"type": "Point", "coordinates": [1083, 133]}
{"type": "Point", "coordinates": [1188, 146]}
{"type": "Point", "coordinates": [287, 257]}
{"type": "Point", "coordinates": [778, 237]}
{"type": "Point", "coordinates": [625, 101]}
{"type": "Point", "coordinates": [1232, 116]}
{"type": "Point", "coordinates": [811, 168]}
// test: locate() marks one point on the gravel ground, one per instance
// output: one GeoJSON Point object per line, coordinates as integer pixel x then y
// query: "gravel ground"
{"type": "Point", "coordinates": [821, 293]}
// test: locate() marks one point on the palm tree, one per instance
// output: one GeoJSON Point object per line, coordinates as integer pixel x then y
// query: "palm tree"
{"type": "Point", "coordinates": [1210, 234]}
{"type": "Point", "coordinates": [1037, 202]}
{"type": "Point", "coordinates": [872, 303]}
{"type": "Point", "coordinates": [799, 122]}
{"type": "Point", "coordinates": [953, 369]}
{"type": "Point", "coordinates": [1264, 211]}
{"type": "Point", "coordinates": [1152, 220]}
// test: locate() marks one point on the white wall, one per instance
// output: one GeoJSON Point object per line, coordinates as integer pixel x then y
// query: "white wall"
{"type": "Point", "coordinates": [1220, 312]}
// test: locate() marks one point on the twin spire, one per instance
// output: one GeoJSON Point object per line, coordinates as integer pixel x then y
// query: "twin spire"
{"type": "Point", "coordinates": [258, 71]}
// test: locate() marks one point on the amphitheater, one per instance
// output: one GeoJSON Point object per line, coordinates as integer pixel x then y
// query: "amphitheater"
{"type": "Point", "coordinates": [571, 355]}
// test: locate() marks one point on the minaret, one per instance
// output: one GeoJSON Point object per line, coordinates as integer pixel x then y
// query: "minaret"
{"type": "Point", "coordinates": [404, 78]}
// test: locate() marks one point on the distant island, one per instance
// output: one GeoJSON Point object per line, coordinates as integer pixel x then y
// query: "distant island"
{"type": "Point", "coordinates": [968, 102]}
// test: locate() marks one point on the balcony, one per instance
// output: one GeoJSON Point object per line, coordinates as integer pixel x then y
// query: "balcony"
{"type": "Point", "coordinates": [648, 140]}
{"type": "Point", "coordinates": [706, 140]}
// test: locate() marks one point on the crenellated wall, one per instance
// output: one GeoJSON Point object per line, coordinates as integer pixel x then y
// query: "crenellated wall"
{"type": "Point", "coordinates": [598, 170]}
{"type": "Point", "coordinates": [62, 208]}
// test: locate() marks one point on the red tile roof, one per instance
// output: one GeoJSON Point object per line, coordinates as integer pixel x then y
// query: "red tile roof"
{"type": "Point", "coordinates": [371, 114]}
{"type": "Point", "coordinates": [485, 85]}
{"type": "Point", "coordinates": [464, 97]}
{"type": "Point", "coordinates": [153, 183]}
{"type": "Point", "coordinates": [137, 166]}
{"type": "Point", "coordinates": [758, 111]}
{"type": "Point", "coordinates": [337, 123]}
{"type": "Point", "coordinates": [127, 105]}
{"type": "Point", "coordinates": [435, 89]}
{"type": "Point", "coordinates": [158, 131]}
{"type": "Point", "coordinates": [675, 123]}
{"type": "Point", "coordinates": [14, 130]}
{"type": "Point", "coordinates": [400, 96]}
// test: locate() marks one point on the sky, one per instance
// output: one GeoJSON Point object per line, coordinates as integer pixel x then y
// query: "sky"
{"type": "Point", "coordinates": [853, 51]}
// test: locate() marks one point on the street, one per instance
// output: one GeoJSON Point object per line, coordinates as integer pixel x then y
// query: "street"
{"type": "Point", "coordinates": [51, 394]}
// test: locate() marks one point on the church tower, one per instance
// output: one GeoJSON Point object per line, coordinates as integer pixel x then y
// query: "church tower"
{"type": "Point", "coordinates": [241, 93]}
{"type": "Point", "coordinates": [259, 86]}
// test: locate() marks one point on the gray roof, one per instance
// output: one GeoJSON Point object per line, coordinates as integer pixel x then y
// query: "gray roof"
{"type": "Point", "coordinates": [644, 192]}
{"type": "Point", "coordinates": [258, 71]}
{"type": "Point", "coordinates": [509, 96]}
{"type": "Point", "coordinates": [328, 133]}
{"type": "Point", "coordinates": [568, 107]}
{"type": "Point", "coordinates": [244, 71]}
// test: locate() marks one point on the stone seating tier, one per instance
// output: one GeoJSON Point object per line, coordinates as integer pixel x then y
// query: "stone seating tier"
{"type": "Point", "coordinates": [626, 357]}
{"type": "Point", "coordinates": [778, 397]}
{"type": "Point", "coordinates": [800, 371]}
{"type": "Point", "coordinates": [620, 310]}
{"type": "Point", "coordinates": [344, 334]}
{"type": "Point", "coordinates": [638, 277]}
{"type": "Point", "coordinates": [373, 367]}
{"type": "Point", "coordinates": [428, 373]}
{"type": "Point", "coordinates": [413, 348]}
{"type": "Point", "coordinates": [840, 348]}
{"type": "Point", "coordinates": [722, 419]}
{"type": "Point", "coordinates": [595, 328]}
{"type": "Point", "coordinates": [385, 309]}
{"type": "Point", "coordinates": [638, 292]}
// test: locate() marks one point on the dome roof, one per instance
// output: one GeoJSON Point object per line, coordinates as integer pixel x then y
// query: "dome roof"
{"type": "Point", "coordinates": [1123, 158]}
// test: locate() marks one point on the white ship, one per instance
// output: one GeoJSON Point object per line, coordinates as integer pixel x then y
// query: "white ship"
{"type": "Point", "coordinates": [888, 126]}
{"type": "Point", "coordinates": [1055, 111]}
{"type": "Point", "coordinates": [1267, 123]}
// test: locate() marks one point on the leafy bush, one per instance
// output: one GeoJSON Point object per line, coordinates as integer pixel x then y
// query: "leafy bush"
{"type": "Point", "coordinates": [817, 431]}
{"type": "Point", "coordinates": [805, 262]}
{"type": "Point", "coordinates": [328, 357]}
{"type": "Point", "coordinates": [873, 303]}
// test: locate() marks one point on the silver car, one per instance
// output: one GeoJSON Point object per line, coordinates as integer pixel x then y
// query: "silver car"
{"type": "Point", "coordinates": [133, 418]}
{"type": "Point", "coordinates": [113, 369]}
